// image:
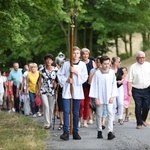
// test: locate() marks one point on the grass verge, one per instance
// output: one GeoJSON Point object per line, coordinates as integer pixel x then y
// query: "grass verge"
{"type": "Point", "coordinates": [18, 132]}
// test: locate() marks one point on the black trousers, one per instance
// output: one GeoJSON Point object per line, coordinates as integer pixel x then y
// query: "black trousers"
{"type": "Point", "coordinates": [142, 104]}
{"type": "Point", "coordinates": [16, 99]}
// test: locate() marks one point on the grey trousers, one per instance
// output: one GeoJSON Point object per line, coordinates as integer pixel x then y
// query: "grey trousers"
{"type": "Point", "coordinates": [48, 108]}
{"type": "Point", "coordinates": [99, 112]}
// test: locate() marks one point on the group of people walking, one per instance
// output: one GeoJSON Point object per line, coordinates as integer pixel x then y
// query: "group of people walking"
{"type": "Point", "coordinates": [102, 81]}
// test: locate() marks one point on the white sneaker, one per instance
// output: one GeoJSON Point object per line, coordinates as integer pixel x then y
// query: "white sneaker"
{"type": "Point", "coordinates": [34, 116]}
{"type": "Point", "coordinates": [79, 124]}
{"type": "Point", "coordinates": [39, 114]}
{"type": "Point", "coordinates": [13, 109]}
{"type": "Point", "coordinates": [10, 111]}
{"type": "Point", "coordinates": [90, 121]}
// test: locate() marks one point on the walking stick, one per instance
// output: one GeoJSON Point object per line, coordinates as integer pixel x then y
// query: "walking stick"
{"type": "Point", "coordinates": [72, 27]}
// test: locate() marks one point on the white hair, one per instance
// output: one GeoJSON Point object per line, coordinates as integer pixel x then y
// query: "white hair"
{"type": "Point", "coordinates": [85, 50]}
{"type": "Point", "coordinates": [139, 52]}
{"type": "Point", "coordinates": [15, 64]}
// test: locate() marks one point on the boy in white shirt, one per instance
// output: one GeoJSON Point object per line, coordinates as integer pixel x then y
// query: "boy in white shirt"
{"type": "Point", "coordinates": [80, 75]}
{"type": "Point", "coordinates": [104, 89]}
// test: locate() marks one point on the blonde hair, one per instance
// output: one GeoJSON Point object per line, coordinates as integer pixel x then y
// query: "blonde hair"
{"type": "Point", "coordinates": [85, 50]}
{"type": "Point", "coordinates": [33, 65]}
{"type": "Point", "coordinates": [76, 48]}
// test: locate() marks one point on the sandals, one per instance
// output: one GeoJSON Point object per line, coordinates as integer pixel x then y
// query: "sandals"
{"type": "Point", "coordinates": [85, 126]}
{"type": "Point", "coordinates": [126, 119]}
{"type": "Point", "coordinates": [60, 127]}
{"type": "Point", "coordinates": [47, 127]}
{"type": "Point", "coordinates": [120, 121]}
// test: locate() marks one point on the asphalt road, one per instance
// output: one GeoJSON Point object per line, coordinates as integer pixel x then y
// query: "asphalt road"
{"type": "Point", "coordinates": [127, 138]}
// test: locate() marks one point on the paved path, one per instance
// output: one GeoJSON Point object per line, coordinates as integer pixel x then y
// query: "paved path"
{"type": "Point", "coordinates": [127, 138]}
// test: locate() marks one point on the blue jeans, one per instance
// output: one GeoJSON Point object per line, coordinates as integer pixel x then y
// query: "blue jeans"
{"type": "Point", "coordinates": [142, 102]}
{"type": "Point", "coordinates": [104, 114]}
{"type": "Point", "coordinates": [66, 111]}
{"type": "Point", "coordinates": [34, 108]}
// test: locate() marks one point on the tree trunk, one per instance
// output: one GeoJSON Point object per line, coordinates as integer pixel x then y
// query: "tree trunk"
{"type": "Point", "coordinates": [148, 38]}
{"type": "Point", "coordinates": [91, 42]}
{"type": "Point", "coordinates": [125, 43]}
{"type": "Point", "coordinates": [68, 41]}
{"type": "Point", "coordinates": [76, 33]}
{"type": "Point", "coordinates": [84, 37]}
{"type": "Point", "coordinates": [130, 42]}
{"type": "Point", "coordinates": [144, 38]}
{"type": "Point", "coordinates": [116, 43]}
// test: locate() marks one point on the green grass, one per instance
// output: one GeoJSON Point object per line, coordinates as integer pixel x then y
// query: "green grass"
{"type": "Point", "coordinates": [18, 132]}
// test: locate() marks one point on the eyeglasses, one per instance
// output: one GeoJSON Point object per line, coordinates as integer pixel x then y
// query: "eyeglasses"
{"type": "Point", "coordinates": [141, 57]}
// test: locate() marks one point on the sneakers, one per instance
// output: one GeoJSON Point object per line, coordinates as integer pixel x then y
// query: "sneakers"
{"type": "Point", "coordinates": [90, 121]}
{"type": "Point", "coordinates": [34, 116]}
{"type": "Point", "coordinates": [65, 136]}
{"type": "Point", "coordinates": [39, 114]}
{"type": "Point", "coordinates": [79, 124]}
{"type": "Point", "coordinates": [110, 136]}
{"type": "Point", "coordinates": [99, 135]}
{"type": "Point", "coordinates": [76, 136]}
{"type": "Point", "coordinates": [13, 109]}
{"type": "Point", "coordinates": [10, 111]}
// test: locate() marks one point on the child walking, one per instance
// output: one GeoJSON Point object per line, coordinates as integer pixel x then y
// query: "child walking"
{"type": "Point", "coordinates": [126, 96]}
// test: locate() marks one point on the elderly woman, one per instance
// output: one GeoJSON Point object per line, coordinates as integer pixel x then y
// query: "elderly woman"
{"type": "Point", "coordinates": [84, 103]}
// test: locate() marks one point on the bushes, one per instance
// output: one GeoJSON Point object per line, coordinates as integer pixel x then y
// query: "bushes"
{"type": "Point", "coordinates": [124, 56]}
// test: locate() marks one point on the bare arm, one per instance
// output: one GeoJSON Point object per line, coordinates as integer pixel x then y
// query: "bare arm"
{"type": "Point", "coordinates": [22, 85]}
{"type": "Point", "coordinates": [94, 65]}
{"type": "Point", "coordinates": [38, 85]}
{"type": "Point", "coordinates": [129, 88]}
{"type": "Point", "coordinates": [90, 77]}
{"type": "Point", "coordinates": [27, 85]}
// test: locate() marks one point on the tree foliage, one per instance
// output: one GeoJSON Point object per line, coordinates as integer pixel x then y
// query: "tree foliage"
{"type": "Point", "coordinates": [31, 28]}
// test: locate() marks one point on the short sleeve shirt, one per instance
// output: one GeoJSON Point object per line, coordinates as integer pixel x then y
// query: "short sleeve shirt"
{"type": "Point", "coordinates": [48, 78]}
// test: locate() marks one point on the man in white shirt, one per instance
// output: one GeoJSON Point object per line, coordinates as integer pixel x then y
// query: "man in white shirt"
{"type": "Point", "coordinates": [139, 87]}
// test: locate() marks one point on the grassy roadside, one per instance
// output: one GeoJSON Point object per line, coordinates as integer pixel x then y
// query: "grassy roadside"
{"type": "Point", "coordinates": [18, 132]}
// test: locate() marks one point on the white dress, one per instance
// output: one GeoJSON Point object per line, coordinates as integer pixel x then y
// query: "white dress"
{"type": "Point", "coordinates": [64, 73]}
